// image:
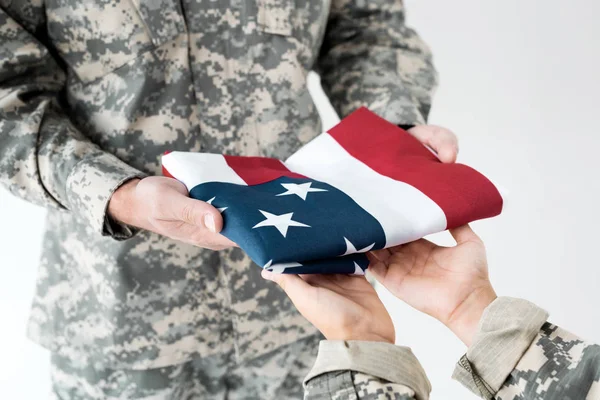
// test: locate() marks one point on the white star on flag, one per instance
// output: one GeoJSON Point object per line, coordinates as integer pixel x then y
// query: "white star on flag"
{"type": "Point", "coordinates": [350, 249]}
{"type": "Point", "coordinates": [280, 268]}
{"type": "Point", "coordinates": [281, 222]}
{"type": "Point", "coordinates": [358, 270]}
{"type": "Point", "coordinates": [299, 189]}
{"type": "Point", "coordinates": [220, 209]}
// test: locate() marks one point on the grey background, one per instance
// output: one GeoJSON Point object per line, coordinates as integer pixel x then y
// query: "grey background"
{"type": "Point", "coordinates": [520, 87]}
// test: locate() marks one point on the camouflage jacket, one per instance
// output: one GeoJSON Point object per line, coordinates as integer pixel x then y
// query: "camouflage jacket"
{"type": "Point", "coordinates": [92, 92]}
{"type": "Point", "coordinates": [515, 355]}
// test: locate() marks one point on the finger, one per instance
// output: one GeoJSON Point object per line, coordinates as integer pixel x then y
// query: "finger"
{"type": "Point", "coordinates": [391, 272]}
{"type": "Point", "coordinates": [217, 242]}
{"type": "Point", "coordinates": [416, 246]}
{"type": "Point", "coordinates": [447, 152]}
{"type": "Point", "coordinates": [464, 234]}
{"type": "Point", "coordinates": [295, 287]}
{"type": "Point", "coordinates": [384, 255]}
{"type": "Point", "coordinates": [228, 242]}
{"type": "Point", "coordinates": [373, 257]}
{"type": "Point", "coordinates": [379, 270]}
{"type": "Point", "coordinates": [338, 283]}
{"type": "Point", "coordinates": [379, 255]}
{"type": "Point", "coordinates": [312, 279]}
{"type": "Point", "coordinates": [197, 213]}
{"type": "Point", "coordinates": [441, 140]}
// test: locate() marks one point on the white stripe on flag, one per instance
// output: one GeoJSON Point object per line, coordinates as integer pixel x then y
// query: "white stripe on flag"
{"type": "Point", "coordinates": [404, 212]}
{"type": "Point", "coordinates": [195, 168]}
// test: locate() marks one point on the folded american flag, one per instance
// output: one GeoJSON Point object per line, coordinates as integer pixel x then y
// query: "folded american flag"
{"type": "Point", "coordinates": [366, 184]}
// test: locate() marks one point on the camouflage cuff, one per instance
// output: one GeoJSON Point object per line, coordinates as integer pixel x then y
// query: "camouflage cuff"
{"type": "Point", "coordinates": [406, 126]}
{"type": "Point", "coordinates": [89, 188]}
{"type": "Point", "coordinates": [506, 330]}
{"type": "Point", "coordinates": [114, 228]}
{"type": "Point", "coordinates": [402, 112]}
{"type": "Point", "coordinates": [386, 361]}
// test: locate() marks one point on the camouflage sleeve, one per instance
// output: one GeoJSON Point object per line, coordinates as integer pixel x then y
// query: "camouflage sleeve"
{"type": "Point", "coordinates": [517, 355]}
{"type": "Point", "coordinates": [43, 157]}
{"type": "Point", "coordinates": [365, 370]}
{"type": "Point", "coordinates": [370, 58]}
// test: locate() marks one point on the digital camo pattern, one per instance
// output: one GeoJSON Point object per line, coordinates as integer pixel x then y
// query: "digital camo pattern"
{"type": "Point", "coordinates": [557, 366]}
{"type": "Point", "coordinates": [368, 387]}
{"type": "Point", "coordinates": [274, 375]}
{"type": "Point", "coordinates": [375, 60]}
{"type": "Point", "coordinates": [92, 92]}
{"type": "Point", "coordinates": [350, 385]}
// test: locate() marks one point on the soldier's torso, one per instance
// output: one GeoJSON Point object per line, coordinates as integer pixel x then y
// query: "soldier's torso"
{"type": "Point", "coordinates": [144, 77]}
{"type": "Point", "coordinates": [218, 76]}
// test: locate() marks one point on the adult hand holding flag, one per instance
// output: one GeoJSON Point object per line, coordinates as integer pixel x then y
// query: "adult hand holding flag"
{"type": "Point", "coordinates": [162, 205]}
{"type": "Point", "coordinates": [364, 185]}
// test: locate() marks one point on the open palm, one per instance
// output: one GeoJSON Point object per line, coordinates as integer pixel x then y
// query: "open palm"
{"type": "Point", "coordinates": [434, 279]}
{"type": "Point", "coordinates": [342, 307]}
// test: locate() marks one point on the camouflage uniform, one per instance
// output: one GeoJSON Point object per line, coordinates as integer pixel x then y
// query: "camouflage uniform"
{"type": "Point", "coordinates": [515, 355]}
{"type": "Point", "coordinates": [92, 92]}
{"type": "Point", "coordinates": [275, 375]}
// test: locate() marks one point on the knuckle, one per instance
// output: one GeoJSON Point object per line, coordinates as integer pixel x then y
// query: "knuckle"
{"type": "Point", "coordinates": [157, 205]}
{"type": "Point", "coordinates": [152, 190]}
{"type": "Point", "coordinates": [188, 213]}
{"type": "Point", "coordinates": [441, 133]}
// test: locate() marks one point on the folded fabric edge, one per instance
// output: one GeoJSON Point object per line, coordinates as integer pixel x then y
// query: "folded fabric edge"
{"type": "Point", "coordinates": [353, 264]}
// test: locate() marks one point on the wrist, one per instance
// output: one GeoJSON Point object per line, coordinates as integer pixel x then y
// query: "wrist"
{"type": "Point", "coordinates": [363, 337]}
{"type": "Point", "coordinates": [464, 320]}
{"type": "Point", "coordinates": [121, 205]}
{"type": "Point", "coordinates": [374, 338]}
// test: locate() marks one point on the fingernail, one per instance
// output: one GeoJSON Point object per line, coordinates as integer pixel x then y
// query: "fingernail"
{"type": "Point", "coordinates": [266, 274]}
{"type": "Point", "coordinates": [209, 222]}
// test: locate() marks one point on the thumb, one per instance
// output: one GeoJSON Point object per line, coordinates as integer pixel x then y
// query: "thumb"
{"type": "Point", "coordinates": [464, 234]}
{"type": "Point", "coordinates": [196, 212]}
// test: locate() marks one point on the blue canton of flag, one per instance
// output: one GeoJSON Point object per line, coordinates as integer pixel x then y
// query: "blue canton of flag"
{"type": "Point", "coordinates": [292, 225]}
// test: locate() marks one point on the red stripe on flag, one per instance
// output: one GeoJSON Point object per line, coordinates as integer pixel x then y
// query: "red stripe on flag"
{"type": "Point", "coordinates": [461, 192]}
{"type": "Point", "coordinates": [165, 172]}
{"type": "Point", "coordinates": [257, 170]}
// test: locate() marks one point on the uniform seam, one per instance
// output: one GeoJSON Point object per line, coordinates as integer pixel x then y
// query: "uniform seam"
{"type": "Point", "coordinates": [481, 385]}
